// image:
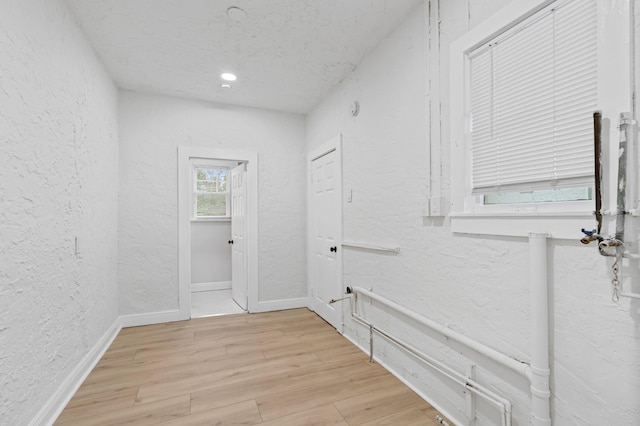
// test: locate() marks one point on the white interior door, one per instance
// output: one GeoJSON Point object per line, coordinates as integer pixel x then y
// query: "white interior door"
{"type": "Point", "coordinates": [238, 235]}
{"type": "Point", "coordinates": [325, 227]}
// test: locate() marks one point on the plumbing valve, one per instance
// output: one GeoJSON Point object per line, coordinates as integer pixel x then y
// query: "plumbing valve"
{"type": "Point", "coordinates": [590, 236]}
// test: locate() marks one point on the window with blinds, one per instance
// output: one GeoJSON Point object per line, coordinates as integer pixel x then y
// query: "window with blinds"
{"type": "Point", "coordinates": [532, 93]}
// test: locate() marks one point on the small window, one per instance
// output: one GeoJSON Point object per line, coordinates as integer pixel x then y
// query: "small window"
{"type": "Point", "coordinates": [211, 192]}
{"type": "Point", "coordinates": [524, 87]}
{"type": "Point", "coordinates": [542, 196]}
{"type": "Point", "coordinates": [533, 90]}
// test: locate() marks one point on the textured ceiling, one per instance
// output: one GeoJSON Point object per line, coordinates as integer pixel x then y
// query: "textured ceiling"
{"type": "Point", "coordinates": [287, 53]}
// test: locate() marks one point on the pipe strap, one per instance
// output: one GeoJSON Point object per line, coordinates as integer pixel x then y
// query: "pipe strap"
{"type": "Point", "coordinates": [540, 393]}
{"type": "Point", "coordinates": [538, 421]}
{"type": "Point", "coordinates": [540, 371]}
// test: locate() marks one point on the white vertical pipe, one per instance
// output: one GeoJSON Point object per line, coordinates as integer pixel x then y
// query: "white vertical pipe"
{"type": "Point", "coordinates": [471, 397]}
{"type": "Point", "coordinates": [540, 372]}
{"type": "Point", "coordinates": [436, 205]}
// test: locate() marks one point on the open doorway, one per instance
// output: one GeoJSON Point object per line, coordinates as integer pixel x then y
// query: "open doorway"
{"type": "Point", "coordinates": [217, 237]}
{"type": "Point", "coordinates": [217, 214]}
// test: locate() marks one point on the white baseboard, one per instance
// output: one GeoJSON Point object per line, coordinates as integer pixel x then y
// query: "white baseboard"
{"type": "Point", "coordinates": [136, 320]}
{"type": "Point", "coordinates": [407, 383]}
{"type": "Point", "coordinates": [61, 397]}
{"type": "Point", "coordinates": [281, 305]}
{"type": "Point", "coordinates": [212, 286]}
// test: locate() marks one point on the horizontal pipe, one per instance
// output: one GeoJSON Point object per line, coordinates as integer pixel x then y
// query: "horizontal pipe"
{"type": "Point", "coordinates": [630, 295]}
{"type": "Point", "coordinates": [518, 366]}
{"type": "Point", "coordinates": [374, 247]}
{"type": "Point", "coordinates": [503, 404]}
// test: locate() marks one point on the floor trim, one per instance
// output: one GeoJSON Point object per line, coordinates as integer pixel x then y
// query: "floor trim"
{"type": "Point", "coordinates": [281, 305]}
{"type": "Point", "coordinates": [61, 397]}
{"type": "Point", "coordinates": [135, 320]}
{"type": "Point", "coordinates": [211, 286]}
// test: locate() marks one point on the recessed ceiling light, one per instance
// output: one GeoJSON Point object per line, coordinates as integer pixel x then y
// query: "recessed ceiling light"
{"type": "Point", "coordinates": [225, 86]}
{"type": "Point", "coordinates": [228, 76]}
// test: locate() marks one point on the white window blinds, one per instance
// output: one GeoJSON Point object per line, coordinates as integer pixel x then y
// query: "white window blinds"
{"type": "Point", "coordinates": [533, 90]}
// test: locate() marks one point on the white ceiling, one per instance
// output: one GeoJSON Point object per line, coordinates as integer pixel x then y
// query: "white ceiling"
{"type": "Point", "coordinates": [287, 53]}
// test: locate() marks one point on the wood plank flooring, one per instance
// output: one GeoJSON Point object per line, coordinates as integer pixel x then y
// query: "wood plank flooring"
{"type": "Point", "coordinates": [279, 368]}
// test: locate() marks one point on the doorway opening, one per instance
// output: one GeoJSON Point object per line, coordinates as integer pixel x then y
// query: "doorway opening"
{"type": "Point", "coordinates": [217, 227]}
{"type": "Point", "coordinates": [216, 261]}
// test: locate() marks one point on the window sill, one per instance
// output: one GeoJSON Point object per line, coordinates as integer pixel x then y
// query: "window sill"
{"type": "Point", "coordinates": [559, 225]}
{"type": "Point", "coordinates": [212, 219]}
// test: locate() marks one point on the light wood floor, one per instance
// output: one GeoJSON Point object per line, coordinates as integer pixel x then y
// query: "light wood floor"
{"type": "Point", "coordinates": [280, 368]}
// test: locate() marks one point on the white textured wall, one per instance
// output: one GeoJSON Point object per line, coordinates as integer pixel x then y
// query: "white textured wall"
{"type": "Point", "coordinates": [58, 181]}
{"type": "Point", "coordinates": [210, 251]}
{"type": "Point", "coordinates": [475, 285]}
{"type": "Point", "coordinates": [151, 129]}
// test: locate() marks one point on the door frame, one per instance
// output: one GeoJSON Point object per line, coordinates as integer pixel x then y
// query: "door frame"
{"type": "Point", "coordinates": [185, 154]}
{"type": "Point", "coordinates": [333, 144]}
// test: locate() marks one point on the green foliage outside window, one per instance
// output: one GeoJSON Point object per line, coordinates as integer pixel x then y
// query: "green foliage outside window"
{"type": "Point", "coordinates": [211, 205]}
{"type": "Point", "coordinates": [541, 196]}
{"type": "Point", "coordinates": [211, 192]}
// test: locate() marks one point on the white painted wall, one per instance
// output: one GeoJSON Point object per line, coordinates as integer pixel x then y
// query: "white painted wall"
{"type": "Point", "coordinates": [210, 251]}
{"type": "Point", "coordinates": [58, 181]}
{"type": "Point", "coordinates": [474, 285]}
{"type": "Point", "coordinates": [151, 129]}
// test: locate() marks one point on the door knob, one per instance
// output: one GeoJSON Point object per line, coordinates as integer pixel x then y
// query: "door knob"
{"type": "Point", "coordinates": [230, 241]}
{"type": "Point", "coordinates": [334, 249]}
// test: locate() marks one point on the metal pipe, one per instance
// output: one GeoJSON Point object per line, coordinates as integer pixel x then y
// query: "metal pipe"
{"type": "Point", "coordinates": [605, 245]}
{"type": "Point", "coordinates": [332, 301]}
{"type": "Point", "coordinates": [503, 404]}
{"type": "Point", "coordinates": [597, 148]}
{"type": "Point", "coordinates": [500, 358]}
{"type": "Point", "coordinates": [540, 392]}
{"type": "Point", "coordinates": [625, 128]}
{"type": "Point", "coordinates": [617, 242]}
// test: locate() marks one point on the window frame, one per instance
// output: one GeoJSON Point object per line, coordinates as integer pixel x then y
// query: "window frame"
{"type": "Point", "coordinates": [559, 219]}
{"type": "Point", "coordinates": [210, 164]}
